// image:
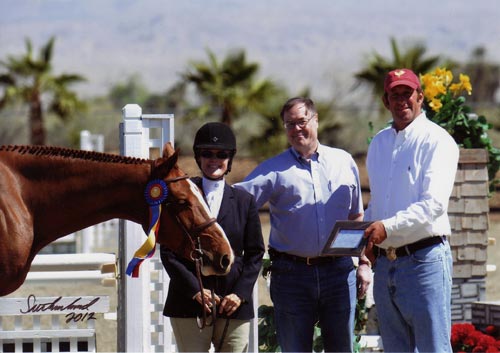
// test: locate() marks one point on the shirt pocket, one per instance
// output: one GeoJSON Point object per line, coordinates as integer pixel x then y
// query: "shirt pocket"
{"type": "Point", "coordinates": [341, 197]}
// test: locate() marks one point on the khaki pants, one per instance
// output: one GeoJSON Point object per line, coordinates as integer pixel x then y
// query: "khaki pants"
{"type": "Point", "coordinates": [190, 338]}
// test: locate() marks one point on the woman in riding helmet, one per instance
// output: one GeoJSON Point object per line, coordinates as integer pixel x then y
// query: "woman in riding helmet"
{"type": "Point", "coordinates": [235, 210]}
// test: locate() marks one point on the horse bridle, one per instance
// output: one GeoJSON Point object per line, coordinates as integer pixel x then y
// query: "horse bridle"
{"type": "Point", "coordinates": [196, 253]}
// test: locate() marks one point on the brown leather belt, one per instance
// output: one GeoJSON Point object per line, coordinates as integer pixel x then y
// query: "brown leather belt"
{"type": "Point", "coordinates": [393, 253]}
{"type": "Point", "coordinates": [311, 261]}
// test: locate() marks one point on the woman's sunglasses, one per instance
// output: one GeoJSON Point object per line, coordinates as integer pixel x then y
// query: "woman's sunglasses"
{"type": "Point", "coordinates": [218, 154]}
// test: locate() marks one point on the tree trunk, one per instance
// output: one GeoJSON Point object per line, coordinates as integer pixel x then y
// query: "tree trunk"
{"type": "Point", "coordinates": [37, 136]}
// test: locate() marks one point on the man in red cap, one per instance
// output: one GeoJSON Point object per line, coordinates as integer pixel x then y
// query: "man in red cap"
{"type": "Point", "coordinates": [411, 167]}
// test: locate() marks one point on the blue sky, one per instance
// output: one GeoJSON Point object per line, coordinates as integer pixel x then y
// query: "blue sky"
{"type": "Point", "coordinates": [316, 43]}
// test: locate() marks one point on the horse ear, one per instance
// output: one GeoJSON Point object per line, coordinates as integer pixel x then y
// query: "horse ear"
{"type": "Point", "coordinates": [164, 164]}
{"type": "Point", "coordinates": [174, 157]}
{"type": "Point", "coordinates": [168, 150]}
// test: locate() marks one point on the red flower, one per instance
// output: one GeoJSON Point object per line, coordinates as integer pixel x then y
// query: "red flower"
{"type": "Point", "coordinates": [485, 343]}
{"type": "Point", "coordinates": [473, 338]}
{"type": "Point", "coordinates": [491, 330]}
{"type": "Point", "coordinates": [465, 338]}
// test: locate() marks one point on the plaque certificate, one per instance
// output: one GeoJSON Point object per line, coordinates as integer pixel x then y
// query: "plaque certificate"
{"type": "Point", "coordinates": [346, 239]}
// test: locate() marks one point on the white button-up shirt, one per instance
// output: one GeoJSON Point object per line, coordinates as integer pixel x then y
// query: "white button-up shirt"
{"type": "Point", "coordinates": [214, 190]}
{"type": "Point", "coordinates": [411, 174]}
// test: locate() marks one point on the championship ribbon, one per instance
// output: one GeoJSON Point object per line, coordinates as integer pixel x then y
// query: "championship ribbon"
{"type": "Point", "coordinates": [155, 193]}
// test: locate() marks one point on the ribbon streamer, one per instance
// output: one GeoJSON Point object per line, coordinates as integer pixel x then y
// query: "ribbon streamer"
{"type": "Point", "coordinates": [156, 192]}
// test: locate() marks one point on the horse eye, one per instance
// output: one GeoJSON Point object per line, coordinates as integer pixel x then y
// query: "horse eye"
{"type": "Point", "coordinates": [182, 202]}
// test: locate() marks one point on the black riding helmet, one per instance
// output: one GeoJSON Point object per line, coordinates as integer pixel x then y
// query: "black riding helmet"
{"type": "Point", "coordinates": [217, 136]}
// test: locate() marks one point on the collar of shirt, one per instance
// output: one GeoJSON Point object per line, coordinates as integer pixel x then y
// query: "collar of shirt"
{"type": "Point", "coordinates": [414, 127]}
{"type": "Point", "coordinates": [315, 156]}
{"type": "Point", "coordinates": [213, 189]}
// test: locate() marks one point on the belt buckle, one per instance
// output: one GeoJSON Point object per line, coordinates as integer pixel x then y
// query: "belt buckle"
{"type": "Point", "coordinates": [391, 253]}
{"type": "Point", "coordinates": [307, 261]}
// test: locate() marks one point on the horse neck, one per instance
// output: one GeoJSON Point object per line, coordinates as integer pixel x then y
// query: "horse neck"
{"type": "Point", "coordinates": [66, 195]}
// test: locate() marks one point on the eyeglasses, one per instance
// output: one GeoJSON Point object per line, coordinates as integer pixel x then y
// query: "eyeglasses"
{"type": "Point", "coordinates": [218, 154]}
{"type": "Point", "coordinates": [302, 123]}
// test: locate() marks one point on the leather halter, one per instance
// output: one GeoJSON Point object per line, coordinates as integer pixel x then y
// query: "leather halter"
{"type": "Point", "coordinates": [193, 233]}
{"type": "Point", "coordinates": [196, 256]}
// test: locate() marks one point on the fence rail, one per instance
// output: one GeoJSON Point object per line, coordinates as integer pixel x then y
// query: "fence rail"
{"type": "Point", "coordinates": [50, 324]}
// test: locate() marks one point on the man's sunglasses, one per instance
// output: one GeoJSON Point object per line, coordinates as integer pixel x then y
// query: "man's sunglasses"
{"type": "Point", "coordinates": [218, 154]}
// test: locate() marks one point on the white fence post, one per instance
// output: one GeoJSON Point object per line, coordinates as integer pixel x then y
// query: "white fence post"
{"type": "Point", "coordinates": [90, 142]}
{"type": "Point", "coordinates": [141, 325]}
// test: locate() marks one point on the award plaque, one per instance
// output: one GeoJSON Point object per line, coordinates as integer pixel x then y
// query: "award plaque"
{"type": "Point", "coordinates": [347, 239]}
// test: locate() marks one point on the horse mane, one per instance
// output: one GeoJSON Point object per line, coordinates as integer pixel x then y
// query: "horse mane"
{"type": "Point", "coordinates": [50, 151]}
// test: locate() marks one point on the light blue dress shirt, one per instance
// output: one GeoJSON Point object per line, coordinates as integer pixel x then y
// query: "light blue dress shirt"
{"type": "Point", "coordinates": [306, 198]}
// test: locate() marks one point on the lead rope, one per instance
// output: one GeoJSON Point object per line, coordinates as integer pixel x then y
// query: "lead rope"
{"type": "Point", "coordinates": [202, 323]}
{"type": "Point", "coordinates": [224, 333]}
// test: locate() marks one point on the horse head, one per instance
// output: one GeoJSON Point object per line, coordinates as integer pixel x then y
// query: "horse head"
{"type": "Point", "coordinates": [187, 227]}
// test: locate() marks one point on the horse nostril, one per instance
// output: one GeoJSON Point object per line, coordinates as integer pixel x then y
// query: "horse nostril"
{"type": "Point", "coordinates": [224, 262]}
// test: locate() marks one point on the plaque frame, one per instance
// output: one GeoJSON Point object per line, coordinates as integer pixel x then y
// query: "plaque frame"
{"type": "Point", "coordinates": [347, 239]}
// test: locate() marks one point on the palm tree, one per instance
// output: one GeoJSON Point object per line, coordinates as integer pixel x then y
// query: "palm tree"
{"type": "Point", "coordinates": [229, 88]}
{"type": "Point", "coordinates": [30, 80]}
{"type": "Point", "coordinates": [378, 66]}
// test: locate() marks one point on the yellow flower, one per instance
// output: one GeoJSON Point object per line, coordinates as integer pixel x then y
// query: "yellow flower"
{"type": "Point", "coordinates": [439, 87]}
{"type": "Point", "coordinates": [436, 104]}
{"type": "Point", "coordinates": [447, 77]}
{"type": "Point", "coordinates": [463, 85]}
{"type": "Point", "coordinates": [436, 83]}
{"type": "Point", "coordinates": [445, 105]}
{"type": "Point", "coordinates": [465, 81]}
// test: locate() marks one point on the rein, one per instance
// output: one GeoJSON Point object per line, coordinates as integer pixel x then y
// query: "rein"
{"type": "Point", "coordinates": [156, 194]}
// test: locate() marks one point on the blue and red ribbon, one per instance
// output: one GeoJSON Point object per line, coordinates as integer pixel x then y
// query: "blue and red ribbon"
{"type": "Point", "coordinates": [155, 193]}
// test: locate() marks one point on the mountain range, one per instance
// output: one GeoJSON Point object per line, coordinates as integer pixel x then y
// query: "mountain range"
{"type": "Point", "coordinates": [315, 43]}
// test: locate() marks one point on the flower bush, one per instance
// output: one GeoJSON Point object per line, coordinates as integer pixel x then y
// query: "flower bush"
{"type": "Point", "coordinates": [445, 105]}
{"type": "Point", "coordinates": [466, 338]}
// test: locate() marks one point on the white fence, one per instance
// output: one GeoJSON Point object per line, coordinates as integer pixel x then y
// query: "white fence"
{"type": "Point", "coordinates": [57, 324]}
{"type": "Point", "coordinates": [69, 324]}
{"type": "Point", "coordinates": [73, 267]}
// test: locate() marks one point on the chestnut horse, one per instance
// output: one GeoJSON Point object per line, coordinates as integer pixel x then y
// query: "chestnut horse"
{"type": "Point", "coordinates": [49, 192]}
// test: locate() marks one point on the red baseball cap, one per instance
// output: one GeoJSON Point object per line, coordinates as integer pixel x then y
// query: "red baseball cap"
{"type": "Point", "coordinates": [401, 77]}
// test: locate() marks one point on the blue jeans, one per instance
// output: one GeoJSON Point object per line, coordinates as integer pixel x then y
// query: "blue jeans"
{"type": "Point", "coordinates": [413, 299]}
{"type": "Point", "coordinates": [303, 295]}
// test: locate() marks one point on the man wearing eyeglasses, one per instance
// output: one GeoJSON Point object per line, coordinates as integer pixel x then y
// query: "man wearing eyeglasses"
{"type": "Point", "coordinates": [309, 187]}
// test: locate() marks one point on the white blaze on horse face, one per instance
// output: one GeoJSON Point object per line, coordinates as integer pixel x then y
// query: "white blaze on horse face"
{"type": "Point", "coordinates": [197, 193]}
{"type": "Point", "coordinates": [196, 190]}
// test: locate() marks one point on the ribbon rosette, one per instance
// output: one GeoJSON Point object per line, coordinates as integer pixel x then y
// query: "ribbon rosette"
{"type": "Point", "coordinates": [155, 193]}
